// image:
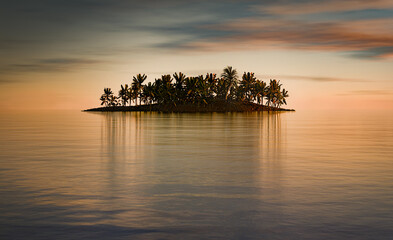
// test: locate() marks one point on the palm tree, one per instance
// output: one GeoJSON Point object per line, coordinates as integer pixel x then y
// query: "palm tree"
{"type": "Point", "coordinates": [273, 92]}
{"type": "Point", "coordinates": [196, 90]}
{"type": "Point", "coordinates": [259, 91]}
{"type": "Point", "coordinates": [123, 94]}
{"type": "Point", "coordinates": [113, 100]}
{"type": "Point", "coordinates": [130, 94]}
{"type": "Point", "coordinates": [283, 95]}
{"type": "Point", "coordinates": [179, 86]}
{"type": "Point", "coordinates": [148, 93]}
{"type": "Point", "coordinates": [158, 90]}
{"type": "Point", "coordinates": [105, 98]}
{"type": "Point", "coordinates": [202, 89]}
{"type": "Point", "coordinates": [191, 89]}
{"type": "Point", "coordinates": [167, 89]}
{"type": "Point", "coordinates": [221, 88]}
{"type": "Point", "coordinates": [246, 86]}
{"type": "Point", "coordinates": [211, 81]}
{"type": "Point", "coordinates": [230, 76]}
{"type": "Point", "coordinates": [137, 82]}
{"type": "Point", "coordinates": [134, 91]}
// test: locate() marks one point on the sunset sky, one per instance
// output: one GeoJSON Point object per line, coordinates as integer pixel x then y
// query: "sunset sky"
{"type": "Point", "coordinates": [60, 54]}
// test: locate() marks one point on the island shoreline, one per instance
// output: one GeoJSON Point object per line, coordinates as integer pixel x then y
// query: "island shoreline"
{"type": "Point", "coordinates": [192, 108]}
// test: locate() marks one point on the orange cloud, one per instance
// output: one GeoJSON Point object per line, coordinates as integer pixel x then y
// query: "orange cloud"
{"type": "Point", "coordinates": [325, 6]}
{"type": "Point", "coordinates": [254, 33]}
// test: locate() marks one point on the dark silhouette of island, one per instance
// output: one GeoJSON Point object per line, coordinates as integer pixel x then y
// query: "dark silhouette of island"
{"type": "Point", "coordinates": [207, 93]}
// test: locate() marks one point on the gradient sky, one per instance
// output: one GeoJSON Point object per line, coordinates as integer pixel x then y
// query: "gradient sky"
{"type": "Point", "coordinates": [60, 54]}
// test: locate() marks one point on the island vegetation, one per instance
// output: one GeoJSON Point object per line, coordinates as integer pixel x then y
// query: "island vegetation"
{"type": "Point", "coordinates": [203, 93]}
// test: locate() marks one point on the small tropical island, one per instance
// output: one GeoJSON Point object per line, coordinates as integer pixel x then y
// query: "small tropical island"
{"type": "Point", "coordinates": [203, 93]}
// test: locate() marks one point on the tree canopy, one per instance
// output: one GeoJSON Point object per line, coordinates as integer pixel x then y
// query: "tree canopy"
{"type": "Point", "coordinates": [202, 89]}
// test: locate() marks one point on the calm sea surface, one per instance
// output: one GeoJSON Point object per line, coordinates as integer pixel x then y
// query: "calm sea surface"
{"type": "Point", "coordinates": [294, 175]}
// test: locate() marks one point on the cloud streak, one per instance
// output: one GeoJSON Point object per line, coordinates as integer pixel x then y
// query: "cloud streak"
{"type": "Point", "coordinates": [200, 26]}
{"type": "Point", "coordinates": [307, 7]}
{"type": "Point", "coordinates": [359, 32]}
{"type": "Point", "coordinates": [51, 65]}
{"type": "Point", "coordinates": [317, 78]}
{"type": "Point", "coordinates": [254, 33]}
{"type": "Point", "coordinates": [367, 93]}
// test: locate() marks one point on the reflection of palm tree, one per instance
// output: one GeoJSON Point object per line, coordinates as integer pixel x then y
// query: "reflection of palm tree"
{"type": "Point", "coordinates": [230, 76]}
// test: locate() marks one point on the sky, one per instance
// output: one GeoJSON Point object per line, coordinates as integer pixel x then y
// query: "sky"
{"type": "Point", "coordinates": [61, 54]}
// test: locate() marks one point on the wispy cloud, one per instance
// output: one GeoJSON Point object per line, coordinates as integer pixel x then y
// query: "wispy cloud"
{"type": "Point", "coordinates": [359, 32]}
{"type": "Point", "coordinates": [377, 52]}
{"type": "Point", "coordinates": [367, 92]}
{"type": "Point", "coordinates": [51, 65]}
{"type": "Point", "coordinates": [316, 78]}
{"type": "Point", "coordinates": [6, 80]}
{"type": "Point", "coordinates": [306, 7]}
{"type": "Point", "coordinates": [259, 33]}
{"type": "Point", "coordinates": [358, 28]}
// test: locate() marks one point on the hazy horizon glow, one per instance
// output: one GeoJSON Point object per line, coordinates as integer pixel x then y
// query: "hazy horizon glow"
{"type": "Point", "coordinates": [328, 54]}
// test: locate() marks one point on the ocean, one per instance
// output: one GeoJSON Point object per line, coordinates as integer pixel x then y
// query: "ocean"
{"type": "Point", "coordinates": [139, 175]}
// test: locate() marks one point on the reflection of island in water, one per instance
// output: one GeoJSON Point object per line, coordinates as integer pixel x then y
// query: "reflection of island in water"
{"type": "Point", "coordinates": [127, 134]}
{"type": "Point", "coordinates": [167, 164]}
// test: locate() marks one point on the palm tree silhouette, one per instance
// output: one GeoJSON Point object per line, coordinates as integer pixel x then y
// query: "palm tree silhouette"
{"type": "Point", "coordinates": [148, 93]}
{"type": "Point", "coordinates": [191, 89]}
{"type": "Point", "coordinates": [283, 96]}
{"type": "Point", "coordinates": [230, 76]}
{"type": "Point", "coordinates": [105, 98]}
{"type": "Point", "coordinates": [167, 90]}
{"type": "Point", "coordinates": [202, 89]}
{"type": "Point", "coordinates": [137, 82]}
{"type": "Point", "coordinates": [123, 94]}
{"type": "Point", "coordinates": [273, 94]}
{"type": "Point", "coordinates": [180, 79]}
{"type": "Point", "coordinates": [259, 91]}
{"type": "Point", "coordinates": [113, 100]}
{"type": "Point", "coordinates": [246, 86]}
{"type": "Point", "coordinates": [211, 81]}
